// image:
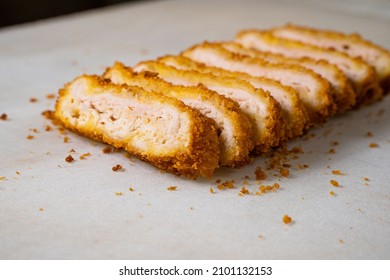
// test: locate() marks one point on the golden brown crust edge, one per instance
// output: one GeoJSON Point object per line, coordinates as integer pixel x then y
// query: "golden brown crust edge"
{"type": "Point", "coordinates": [199, 159]}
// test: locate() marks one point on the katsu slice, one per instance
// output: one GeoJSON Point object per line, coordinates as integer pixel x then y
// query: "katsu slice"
{"type": "Point", "coordinates": [351, 44]}
{"type": "Point", "coordinates": [234, 127]}
{"type": "Point", "coordinates": [360, 73]}
{"type": "Point", "coordinates": [342, 90]}
{"type": "Point", "coordinates": [262, 110]}
{"type": "Point", "coordinates": [155, 128]}
{"type": "Point", "coordinates": [294, 112]}
{"type": "Point", "coordinates": [313, 90]}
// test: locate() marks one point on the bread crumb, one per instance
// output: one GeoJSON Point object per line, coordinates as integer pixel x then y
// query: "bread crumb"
{"type": "Point", "coordinates": [172, 188]}
{"type": "Point", "coordinates": [131, 189]}
{"type": "Point", "coordinates": [373, 145]}
{"type": "Point", "coordinates": [3, 117]}
{"type": "Point", "coordinates": [366, 179]}
{"type": "Point", "coordinates": [341, 241]}
{"type": "Point", "coordinates": [369, 134]}
{"type": "Point", "coordinates": [2, 178]}
{"type": "Point", "coordinates": [17, 173]}
{"type": "Point", "coordinates": [118, 193]}
{"type": "Point", "coordinates": [66, 139]}
{"type": "Point", "coordinates": [261, 237]}
{"type": "Point", "coordinates": [211, 190]}
{"type": "Point", "coordinates": [334, 143]}
{"type": "Point", "coordinates": [331, 151]}
{"type": "Point", "coordinates": [246, 177]}
{"type": "Point", "coordinates": [50, 96]}
{"type": "Point", "coordinates": [337, 172]}
{"type": "Point", "coordinates": [334, 183]}
{"type": "Point", "coordinates": [117, 167]}
{"type": "Point", "coordinates": [33, 99]}
{"type": "Point", "coordinates": [226, 185]}
{"type": "Point", "coordinates": [107, 150]}
{"type": "Point", "coordinates": [69, 158]}
{"type": "Point", "coordinates": [218, 181]}
{"type": "Point", "coordinates": [49, 115]}
{"type": "Point", "coordinates": [332, 193]}
{"type": "Point", "coordinates": [30, 137]}
{"type": "Point", "coordinates": [287, 219]}
{"type": "Point", "coordinates": [41, 209]}
{"type": "Point", "coordinates": [260, 174]}
{"type": "Point", "coordinates": [48, 128]}
{"type": "Point", "coordinates": [284, 172]}
{"type": "Point", "coordinates": [84, 156]}
{"type": "Point", "coordinates": [244, 191]}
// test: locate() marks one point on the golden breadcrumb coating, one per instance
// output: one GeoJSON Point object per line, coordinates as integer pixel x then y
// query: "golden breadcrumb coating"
{"type": "Point", "coordinates": [155, 128]}
{"type": "Point", "coordinates": [343, 93]}
{"type": "Point", "coordinates": [234, 126]}
{"type": "Point", "coordinates": [260, 107]}
{"type": "Point", "coordinates": [351, 44]}
{"type": "Point", "coordinates": [313, 90]}
{"type": "Point", "coordinates": [360, 73]}
{"type": "Point", "coordinates": [294, 112]}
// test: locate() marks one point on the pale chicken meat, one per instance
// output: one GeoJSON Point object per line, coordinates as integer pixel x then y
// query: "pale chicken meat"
{"type": "Point", "coordinates": [235, 129]}
{"type": "Point", "coordinates": [342, 89]}
{"type": "Point", "coordinates": [294, 112]}
{"type": "Point", "coordinates": [351, 44]}
{"type": "Point", "coordinates": [314, 91]}
{"type": "Point", "coordinates": [360, 73]}
{"type": "Point", "coordinates": [158, 129]}
{"type": "Point", "coordinates": [261, 109]}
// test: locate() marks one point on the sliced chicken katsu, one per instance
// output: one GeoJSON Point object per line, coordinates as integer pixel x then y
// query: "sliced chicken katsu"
{"type": "Point", "coordinates": [294, 112]}
{"type": "Point", "coordinates": [360, 73]}
{"type": "Point", "coordinates": [262, 110]}
{"type": "Point", "coordinates": [343, 93]}
{"type": "Point", "coordinates": [235, 129]}
{"type": "Point", "coordinates": [351, 44]}
{"type": "Point", "coordinates": [154, 127]}
{"type": "Point", "coordinates": [313, 90]}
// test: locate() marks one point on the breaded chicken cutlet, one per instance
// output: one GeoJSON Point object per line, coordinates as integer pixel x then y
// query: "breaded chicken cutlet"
{"type": "Point", "coordinates": [235, 129]}
{"type": "Point", "coordinates": [294, 112]}
{"type": "Point", "coordinates": [261, 109]}
{"type": "Point", "coordinates": [314, 91]}
{"type": "Point", "coordinates": [360, 73]}
{"type": "Point", "coordinates": [155, 128]}
{"type": "Point", "coordinates": [352, 44]}
{"type": "Point", "coordinates": [342, 90]}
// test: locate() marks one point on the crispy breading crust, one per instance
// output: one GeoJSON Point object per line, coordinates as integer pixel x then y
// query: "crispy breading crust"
{"type": "Point", "coordinates": [342, 42]}
{"type": "Point", "coordinates": [317, 114]}
{"type": "Point", "coordinates": [200, 158]}
{"type": "Point", "coordinates": [269, 137]}
{"type": "Point", "coordinates": [234, 156]}
{"type": "Point", "coordinates": [295, 119]}
{"type": "Point", "coordinates": [367, 88]}
{"type": "Point", "coordinates": [343, 93]}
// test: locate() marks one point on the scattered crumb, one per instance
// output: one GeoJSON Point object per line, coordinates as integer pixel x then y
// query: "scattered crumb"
{"type": "Point", "coordinates": [107, 150]}
{"type": "Point", "coordinates": [366, 179]}
{"type": "Point", "coordinates": [50, 96]}
{"type": "Point", "coordinates": [66, 139]}
{"type": "Point", "coordinates": [34, 130]}
{"type": "Point", "coordinates": [341, 241]}
{"type": "Point", "coordinates": [84, 156]}
{"type": "Point", "coordinates": [41, 209]}
{"type": "Point", "coordinates": [72, 151]}
{"type": "Point", "coordinates": [369, 134]}
{"type": "Point", "coordinates": [117, 167]}
{"type": "Point", "coordinates": [2, 178]}
{"type": "Point", "coordinates": [17, 173]}
{"type": "Point", "coordinates": [69, 158]}
{"type": "Point", "coordinates": [33, 99]}
{"type": "Point", "coordinates": [260, 174]}
{"type": "Point", "coordinates": [270, 188]}
{"type": "Point", "coordinates": [131, 189]}
{"type": "Point", "coordinates": [332, 193]}
{"type": "Point", "coordinates": [244, 191]}
{"type": "Point", "coordinates": [287, 219]}
{"type": "Point", "coordinates": [246, 177]}
{"type": "Point", "coordinates": [261, 237]}
{"type": "Point", "coordinates": [337, 172]}
{"type": "Point", "coordinates": [118, 193]}
{"type": "Point", "coordinates": [192, 208]}
{"type": "Point", "coordinates": [30, 137]}
{"type": "Point", "coordinates": [287, 165]}
{"type": "Point", "coordinates": [218, 181]}
{"type": "Point", "coordinates": [211, 190]}
{"type": "Point", "coordinates": [373, 145]}
{"type": "Point", "coordinates": [334, 183]}
{"type": "Point", "coordinates": [334, 143]}
{"type": "Point", "coordinates": [331, 151]}
{"type": "Point", "coordinates": [48, 128]}
{"type": "Point", "coordinates": [3, 117]}
{"type": "Point", "coordinates": [284, 172]}
{"type": "Point", "coordinates": [172, 188]}
{"type": "Point", "coordinates": [49, 115]}
{"type": "Point", "coordinates": [226, 185]}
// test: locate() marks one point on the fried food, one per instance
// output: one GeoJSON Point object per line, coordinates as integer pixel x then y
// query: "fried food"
{"type": "Point", "coordinates": [360, 73]}
{"type": "Point", "coordinates": [352, 44]}
{"type": "Point", "coordinates": [342, 90]}
{"type": "Point", "coordinates": [156, 128]}
{"type": "Point", "coordinates": [294, 112]}
{"type": "Point", "coordinates": [234, 127]}
{"type": "Point", "coordinates": [313, 90]}
{"type": "Point", "coordinates": [261, 109]}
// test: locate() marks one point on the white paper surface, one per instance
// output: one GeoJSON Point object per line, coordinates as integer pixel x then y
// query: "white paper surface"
{"type": "Point", "coordinates": [59, 210]}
